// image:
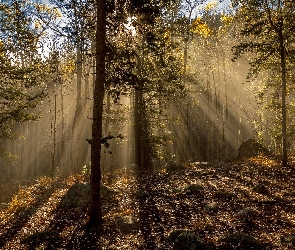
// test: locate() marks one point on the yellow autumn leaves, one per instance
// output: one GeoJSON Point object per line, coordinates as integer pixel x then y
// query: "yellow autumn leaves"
{"type": "Point", "coordinates": [46, 8]}
{"type": "Point", "coordinates": [200, 27]}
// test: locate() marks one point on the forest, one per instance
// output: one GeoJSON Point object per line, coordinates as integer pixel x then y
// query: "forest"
{"type": "Point", "coordinates": [147, 124]}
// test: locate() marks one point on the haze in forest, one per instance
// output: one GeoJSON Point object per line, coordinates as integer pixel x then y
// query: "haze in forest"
{"type": "Point", "coordinates": [155, 114]}
{"type": "Point", "coordinates": [207, 113]}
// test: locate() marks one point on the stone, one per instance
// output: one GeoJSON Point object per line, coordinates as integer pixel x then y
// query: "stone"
{"type": "Point", "coordinates": [4, 205]}
{"type": "Point", "coordinates": [246, 214]}
{"type": "Point", "coordinates": [287, 193]}
{"type": "Point", "coordinates": [107, 193]}
{"type": "Point", "coordinates": [78, 195]}
{"type": "Point", "coordinates": [127, 224]}
{"type": "Point", "coordinates": [211, 207]}
{"type": "Point", "coordinates": [251, 148]}
{"type": "Point", "coordinates": [224, 195]}
{"type": "Point", "coordinates": [141, 194]}
{"type": "Point", "coordinates": [184, 239]}
{"type": "Point", "coordinates": [260, 189]}
{"type": "Point", "coordinates": [240, 241]}
{"type": "Point", "coordinates": [174, 166]}
{"type": "Point", "coordinates": [193, 188]}
{"type": "Point", "coordinates": [288, 240]}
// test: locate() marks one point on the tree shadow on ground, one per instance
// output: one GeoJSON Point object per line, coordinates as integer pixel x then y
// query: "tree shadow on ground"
{"type": "Point", "coordinates": [23, 215]}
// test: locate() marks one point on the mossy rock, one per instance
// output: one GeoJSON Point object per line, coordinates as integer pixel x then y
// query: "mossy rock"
{"type": "Point", "coordinates": [183, 239]}
{"type": "Point", "coordinates": [78, 195]}
{"type": "Point", "coordinates": [107, 193]}
{"type": "Point", "coordinates": [241, 241]}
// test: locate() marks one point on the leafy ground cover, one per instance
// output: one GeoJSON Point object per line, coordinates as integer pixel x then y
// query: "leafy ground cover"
{"type": "Point", "coordinates": [230, 205]}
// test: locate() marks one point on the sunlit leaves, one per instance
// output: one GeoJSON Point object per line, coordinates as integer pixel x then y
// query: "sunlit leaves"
{"type": "Point", "coordinates": [50, 10]}
{"type": "Point", "coordinates": [201, 28]}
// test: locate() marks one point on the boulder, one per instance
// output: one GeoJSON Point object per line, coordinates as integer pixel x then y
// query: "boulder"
{"type": "Point", "coordinates": [107, 193]}
{"type": "Point", "coordinates": [127, 224]}
{"type": "Point", "coordinates": [251, 148]}
{"type": "Point", "coordinates": [183, 239]}
{"type": "Point", "coordinates": [211, 207]}
{"type": "Point", "coordinates": [78, 195]}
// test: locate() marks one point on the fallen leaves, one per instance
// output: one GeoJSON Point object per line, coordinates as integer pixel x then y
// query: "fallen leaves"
{"type": "Point", "coordinates": [217, 202]}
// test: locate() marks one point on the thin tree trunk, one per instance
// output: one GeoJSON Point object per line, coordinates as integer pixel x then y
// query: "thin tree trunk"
{"type": "Point", "coordinates": [137, 126]}
{"type": "Point", "coordinates": [284, 90]}
{"type": "Point", "coordinates": [98, 96]}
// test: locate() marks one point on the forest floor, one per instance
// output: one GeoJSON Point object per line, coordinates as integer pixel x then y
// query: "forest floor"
{"type": "Point", "coordinates": [230, 205]}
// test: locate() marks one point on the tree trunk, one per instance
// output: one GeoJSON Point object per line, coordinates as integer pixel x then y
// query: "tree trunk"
{"type": "Point", "coordinates": [138, 126]}
{"type": "Point", "coordinates": [98, 96]}
{"type": "Point", "coordinates": [284, 90]}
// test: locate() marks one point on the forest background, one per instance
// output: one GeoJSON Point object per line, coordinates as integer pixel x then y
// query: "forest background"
{"type": "Point", "coordinates": [173, 92]}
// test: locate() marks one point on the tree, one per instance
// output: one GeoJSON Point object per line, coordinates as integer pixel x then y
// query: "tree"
{"type": "Point", "coordinates": [98, 97]}
{"type": "Point", "coordinates": [158, 82]}
{"type": "Point", "coordinates": [22, 69]}
{"type": "Point", "coordinates": [270, 28]}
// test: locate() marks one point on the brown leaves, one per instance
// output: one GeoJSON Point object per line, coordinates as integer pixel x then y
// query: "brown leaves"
{"type": "Point", "coordinates": [215, 202]}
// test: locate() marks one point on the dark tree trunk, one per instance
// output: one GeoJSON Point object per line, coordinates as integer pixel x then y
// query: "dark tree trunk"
{"type": "Point", "coordinates": [98, 95]}
{"type": "Point", "coordinates": [284, 90]}
{"type": "Point", "coordinates": [138, 126]}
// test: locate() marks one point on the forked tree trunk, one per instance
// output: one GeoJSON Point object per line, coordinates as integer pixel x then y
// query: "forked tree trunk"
{"type": "Point", "coordinates": [98, 96]}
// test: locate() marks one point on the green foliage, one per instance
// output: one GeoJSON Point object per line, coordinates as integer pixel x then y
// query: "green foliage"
{"type": "Point", "coordinates": [262, 22]}
{"type": "Point", "coordinates": [22, 69]}
{"type": "Point", "coordinates": [268, 30]}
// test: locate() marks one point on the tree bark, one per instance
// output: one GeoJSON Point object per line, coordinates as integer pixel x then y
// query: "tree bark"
{"type": "Point", "coordinates": [138, 126]}
{"type": "Point", "coordinates": [284, 92]}
{"type": "Point", "coordinates": [98, 96]}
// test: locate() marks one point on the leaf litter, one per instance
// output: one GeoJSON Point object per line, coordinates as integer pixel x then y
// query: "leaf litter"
{"type": "Point", "coordinates": [217, 204]}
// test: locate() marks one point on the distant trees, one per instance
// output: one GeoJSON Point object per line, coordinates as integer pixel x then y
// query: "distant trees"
{"type": "Point", "coordinates": [269, 28]}
{"type": "Point", "coordinates": [23, 70]}
{"type": "Point", "coordinates": [158, 81]}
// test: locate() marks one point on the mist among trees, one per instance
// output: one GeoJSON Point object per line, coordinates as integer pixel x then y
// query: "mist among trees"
{"type": "Point", "coordinates": [147, 109]}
